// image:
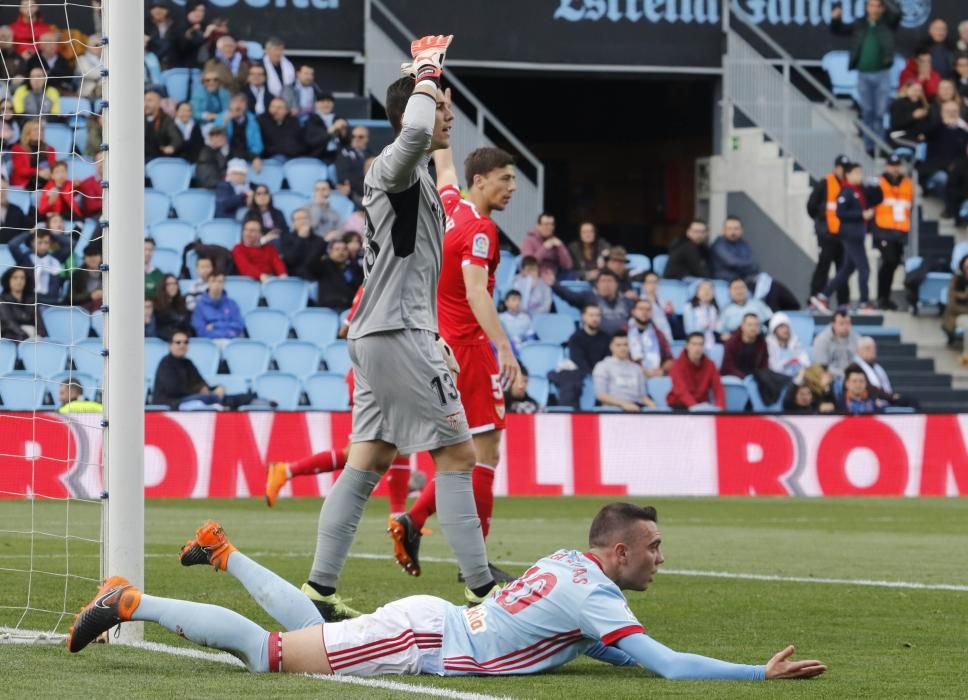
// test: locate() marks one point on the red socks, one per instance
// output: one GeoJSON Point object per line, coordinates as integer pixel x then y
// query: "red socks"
{"type": "Point", "coordinates": [398, 483]}
{"type": "Point", "coordinates": [327, 461]}
{"type": "Point", "coordinates": [483, 481]}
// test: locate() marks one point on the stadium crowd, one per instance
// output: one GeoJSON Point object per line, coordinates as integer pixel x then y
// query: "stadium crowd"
{"type": "Point", "coordinates": [254, 110]}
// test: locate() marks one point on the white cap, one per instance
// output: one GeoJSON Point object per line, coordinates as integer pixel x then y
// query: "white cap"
{"type": "Point", "coordinates": [237, 165]}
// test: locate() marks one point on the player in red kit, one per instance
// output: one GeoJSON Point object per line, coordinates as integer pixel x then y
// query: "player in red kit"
{"type": "Point", "coordinates": [468, 322]}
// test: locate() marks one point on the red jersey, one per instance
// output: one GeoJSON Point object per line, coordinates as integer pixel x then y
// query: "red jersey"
{"type": "Point", "coordinates": [470, 238]}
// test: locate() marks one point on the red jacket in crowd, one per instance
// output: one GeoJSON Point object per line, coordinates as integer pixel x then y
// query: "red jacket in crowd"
{"type": "Point", "coordinates": [64, 204]}
{"type": "Point", "coordinates": [92, 197]}
{"type": "Point", "coordinates": [691, 383]}
{"type": "Point", "coordinates": [23, 164]}
{"type": "Point", "coordinates": [910, 75]}
{"type": "Point", "coordinates": [25, 33]}
{"type": "Point", "coordinates": [257, 261]}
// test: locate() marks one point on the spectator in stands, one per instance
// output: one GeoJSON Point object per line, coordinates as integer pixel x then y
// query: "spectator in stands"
{"type": "Point", "coordinates": [90, 192]}
{"type": "Point", "coordinates": [586, 348]}
{"type": "Point", "coordinates": [855, 208]}
{"type": "Point", "coordinates": [164, 33]}
{"type": "Point", "coordinates": [856, 398]}
{"type": "Point", "coordinates": [694, 378]}
{"type": "Point", "coordinates": [199, 30]}
{"type": "Point", "coordinates": [939, 47]}
{"type": "Point", "coordinates": [58, 194]}
{"type": "Point", "coordinates": [256, 93]}
{"type": "Point", "coordinates": [54, 68]}
{"type": "Point", "coordinates": [947, 92]}
{"type": "Point", "coordinates": [31, 157]}
{"type": "Point", "coordinates": [89, 67]}
{"type": "Point", "coordinates": [234, 192]}
{"type": "Point", "coordinates": [835, 346]}
{"type": "Point", "coordinates": [618, 380]}
{"type": "Point", "coordinates": [946, 142]}
{"type": "Point", "coordinates": [212, 163]}
{"type": "Point", "coordinates": [920, 70]}
{"type": "Point", "coordinates": [254, 259]}
{"type": "Point", "coordinates": [279, 69]}
{"type": "Point", "coordinates": [216, 316]}
{"type": "Point", "coordinates": [152, 67]}
{"type": "Point", "coordinates": [617, 261]}
{"type": "Point", "coordinates": [162, 137]}
{"type": "Point", "coordinates": [153, 276]}
{"type": "Point", "coordinates": [326, 134]}
{"type": "Point", "coordinates": [730, 255]}
{"type": "Point", "coordinates": [354, 244]}
{"type": "Point", "coordinates": [242, 130]}
{"type": "Point", "coordinates": [892, 222]}
{"type": "Point", "coordinates": [799, 399]}
{"type": "Point", "coordinates": [298, 244]}
{"type": "Point", "coordinates": [20, 319]}
{"type": "Point", "coordinates": [910, 114]}
{"type": "Point", "coordinates": [351, 164]}
{"type": "Point", "coordinates": [178, 381]}
{"type": "Point", "coordinates": [649, 347]}
{"type": "Point", "coordinates": [660, 310]}
{"type": "Point", "coordinates": [786, 354]}
{"type": "Point", "coordinates": [961, 76]}
{"type": "Point", "coordinates": [191, 133]}
{"type": "Point", "coordinates": [11, 65]}
{"type": "Point", "coordinates": [741, 304]}
{"type": "Point", "coordinates": [9, 129]}
{"type": "Point", "coordinates": [229, 62]}
{"type": "Point", "coordinates": [171, 311]}
{"type": "Point", "coordinates": [701, 314]}
{"type": "Point", "coordinates": [516, 321]}
{"type": "Point", "coordinates": [212, 100]}
{"type": "Point", "coordinates": [872, 55]}
{"type": "Point", "coordinates": [44, 252]}
{"type": "Point", "coordinates": [822, 208]}
{"type": "Point", "coordinates": [745, 352]}
{"type": "Point", "coordinates": [271, 219]}
{"type": "Point", "coordinates": [337, 276]}
{"type": "Point", "coordinates": [877, 379]}
{"type": "Point", "coordinates": [615, 308]}
{"type": "Point", "coordinates": [27, 27]}
{"type": "Point", "coordinates": [324, 219]}
{"type": "Point", "coordinates": [517, 399]}
{"type": "Point", "coordinates": [204, 267]}
{"type": "Point", "coordinates": [956, 310]}
{"type": "Point", "coordinates": [542, 244]}
{"type": "Point", "coordinates": [70, 394]}
{"type": "Point", "coordinates": [961, 44]}
{"type": "Point", "coordinates": [36, 97]}
{"type": "Point", "coordinates": [13, 219]}
{"type": "Point", "coordinates": [301, 95]}
{"type": "Point", "coordinates": [588, 252]}
{"type": "Point", "coordinates": [689, 255]}
{"type": "Point", "coordinates": [535, 292]}
{"type": "Point", "coordinates": [151, 325]}
{"type": "Point", "coordinates": [819, 382]}
{"type": "Point", "coordinates": [86, 284]}
{"type": "Point", "coordinates": [281, 134]}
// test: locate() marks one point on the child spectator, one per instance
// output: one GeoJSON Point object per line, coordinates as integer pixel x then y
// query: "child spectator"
{"type": "Point", "coordinates": [515, 321]}
{"type": "Point", "coordinates": [517, 399]}
{"type": "Point", "coordinates": [57, 196]}
{"type": "Point", "coordinates": [216, 316]}
{"type": "Point", "coordinates": [203, 270]}
{"type": "Point", "coordinates": [46, 261]}
{"type": "Point", "coordinates": [701, 314]}
{"type": "Point", "coordinates": [535, 292]}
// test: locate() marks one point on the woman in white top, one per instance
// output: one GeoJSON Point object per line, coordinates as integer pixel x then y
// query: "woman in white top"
{"type": "Point", "coordinates": [701, 314]}
{"type": "Point", "coordinates": [787, 356]}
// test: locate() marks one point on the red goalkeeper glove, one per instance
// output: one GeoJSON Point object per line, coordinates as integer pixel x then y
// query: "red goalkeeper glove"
{"type": "Point", "coordinates": [428, 57]}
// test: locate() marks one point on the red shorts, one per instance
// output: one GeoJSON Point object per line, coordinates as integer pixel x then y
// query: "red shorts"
{"type": "Point", "coordinates": [480, 387]}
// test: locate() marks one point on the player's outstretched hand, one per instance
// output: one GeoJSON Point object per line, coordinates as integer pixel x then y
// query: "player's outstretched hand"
{"type": "Point", "coordinates": [428, 56]}
{"type": "Point", "coordinates": [780, 666]}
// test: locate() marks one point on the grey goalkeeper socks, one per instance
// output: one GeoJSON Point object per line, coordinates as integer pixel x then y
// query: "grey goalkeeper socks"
{"type": "Point", "coordinates": [462, 526]}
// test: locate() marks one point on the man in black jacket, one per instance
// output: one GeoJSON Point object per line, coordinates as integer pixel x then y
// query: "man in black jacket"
{"type": "Point", "coordinates": [298, 244]}
{"type": "Point", "coordinates": [689, 255]}
{"type": "Point", "coordinates": [282, 137]}
{"type": "Point", "coordinates": [326, 133]}
{"type": "Point", "coordinates": [13, 220]}
{"type": "Point", "coordinates": [871, 55]}
{"type": "Point", "coordinates": [338, 277]}
{"type": "Point", "coordinates": [588, 346]}
{"type": "Point", "coordinates": [213, 159]}
{"type": "Point", "coordinates": [822, 208]}
{"type": "Point", "coordinates": [177, 380]}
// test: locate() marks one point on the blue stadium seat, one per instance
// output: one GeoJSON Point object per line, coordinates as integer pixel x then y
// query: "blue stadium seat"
{"type": "Point", "coordinates": [553, 328]}
{"type": "Point", "coordinates": [756, 400]}
{"type": "Point", "coordinates": [538, 389]}
{"type": "Point", "coordinates": [8, 356]}
{"type": "Point", "coordinates": [676, 346]}
{"type": "Point", "coordinates": [736, 394]}
{"type": "Point", "coordinates": [232, 383]}
{"type": "Point", "coordinates": [206, 355]}
{"type": "Point", "coordinates": [803, 327]}
{"type": "Point", "coordinates": [959, 251]}
{"type": "Point", "coordinates": [638, 263]}
{"type": "Point", "coordinates": [289, 294]}
{"type": "Point", "coordinates": [6, 258]}
{"type": "Point", "coordinates": [167, 260]}
{"type": "Point", "coordinates": [563, 307]}
{"type": "Point", "coordinates": [343, 205]}
{"type": "Point", "coordinates": [843, 81]}
{"type": "Point", "coordinates": [173, 233]}
{"type": "Point", "coordinates": [281, 387]}
{"type": "Point", "coordinates": [271, 326]}
{"type": "Point", "coordinates": [715, 353]}
{"type": "Point", "coordinates": [87, 358]}
{"type": "Point", "coordinates": [327, 392]}
{"type": "Point", "coordinates": [337, 357]}
{"type": "Point", "coordinates": [676, 292]}
{"type": "Point", "coordinates": [505, 273]}
{"type": "Point", "coordinates": [61, 137]}
{"type": "Point", "coordinates": [97, 324]}
{"type": "Point", "coordinates": [89, 385]}
{"type": "Point", "coordinates": [316, 325]}
{"type": "Point", "coordinates": [80, 168]}
{"type": "Point", "coordinates": [78, 109]}
{"type": "Point", "coordinates": [930, 290]}
{"type": "Point", "coordinates": [155, 351]}
{"type": "Point", "coordinates": [541, 358]}
{"type": "Point", "coordinates": [721, 291]}
{"type": "Point", "coordinates": [21, 197]}
{"type": "Point", "coordinates": [223, 232]}
{"type": "Point", "coordinates": [297, 357]}
{"type": "Point", "coordinates": [288, 201]}
{"type": "Point", "coordinates": [896, 69]}
{"type": "Point", "coordinates": [302, 174]}
{"type": "Point", "coordinates": [659, 388]}
{"type": "Point", "coordinates": [659, 264]}
{"type": "Point", "coordinates": [247, 358]}
{"type": "Point", "coordinates": [177, 82]}
{"type": "Point", "coordinates": [157, 205]}
{"type": "Point", "coordinates": [66, 324]}
{"type": "Point", "coordinates": [43, 358]}
{"type": "Point", "coordinates": [169, 175]}
{"type": "Point", "coordinates": [20, 391]}
{"type": "Point", "coordinates": [195, 205]}
{"type": "Point", "coordinates": [577, 286]}
{"type": "Point", "coordinates": [271, 175]}
{"type": "Point", "coordinates": [244, 291]}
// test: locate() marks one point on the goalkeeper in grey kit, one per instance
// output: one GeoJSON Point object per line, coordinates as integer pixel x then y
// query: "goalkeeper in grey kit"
{"type": "Point", "coordinates": [405, 399]}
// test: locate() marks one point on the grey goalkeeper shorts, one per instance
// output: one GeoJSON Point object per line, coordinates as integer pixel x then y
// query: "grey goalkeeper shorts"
{"type": "Point", "coordinates": [404, 393]}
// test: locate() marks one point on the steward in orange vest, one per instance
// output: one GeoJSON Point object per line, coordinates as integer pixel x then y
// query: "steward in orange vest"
{"type": "Point", "coordinates": [822, 208]}
{"type": "Point", "coordinates": [892, 223]}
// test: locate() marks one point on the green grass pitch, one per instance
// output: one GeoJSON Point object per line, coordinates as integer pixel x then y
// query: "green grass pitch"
{"type": "Point", "coordinates": [878, 642]}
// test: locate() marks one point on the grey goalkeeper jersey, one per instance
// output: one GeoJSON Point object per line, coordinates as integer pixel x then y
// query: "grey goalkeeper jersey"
{"type": "Point", "coordinates": [404, 231]}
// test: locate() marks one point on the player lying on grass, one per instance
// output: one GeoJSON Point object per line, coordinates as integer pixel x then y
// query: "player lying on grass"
{"type": "Point", "coordinates": [567, 604]}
